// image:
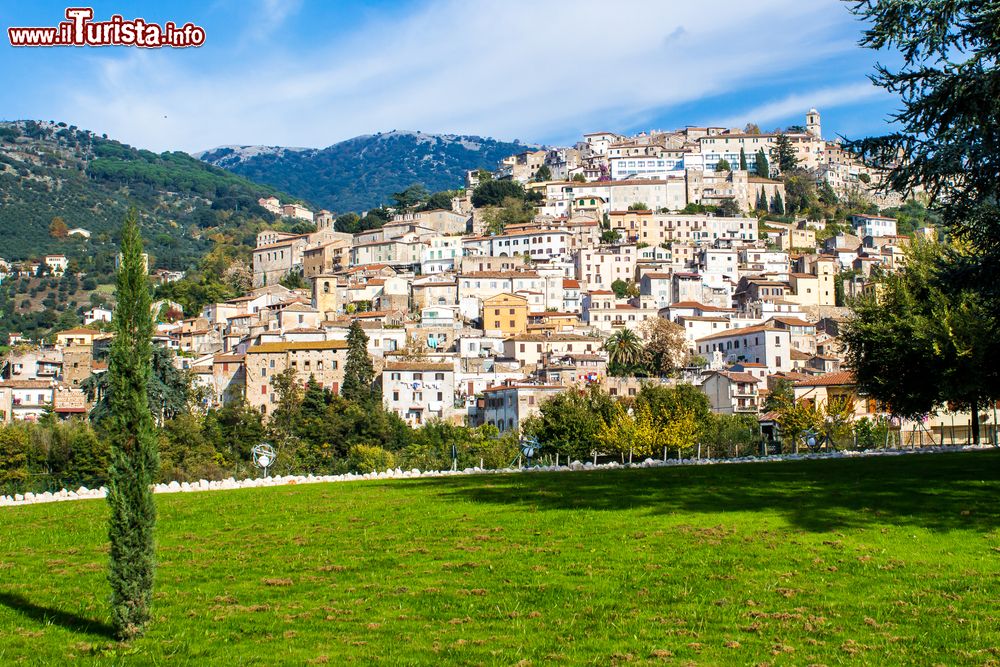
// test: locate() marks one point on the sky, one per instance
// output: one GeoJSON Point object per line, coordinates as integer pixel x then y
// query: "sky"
{"type": "Point", "coordinates": [300, 73]}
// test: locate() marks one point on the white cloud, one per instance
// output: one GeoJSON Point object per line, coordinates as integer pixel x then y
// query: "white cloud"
{"type": "Point", "coordinates": [517, 69]}
{"type": "Point", "coordinates": [798, 103]}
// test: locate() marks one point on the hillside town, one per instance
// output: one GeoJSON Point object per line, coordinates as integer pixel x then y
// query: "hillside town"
{"type": "Point", "coordinates": [475, 320]}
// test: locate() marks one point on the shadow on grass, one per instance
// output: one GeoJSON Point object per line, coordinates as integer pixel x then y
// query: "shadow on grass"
{"type": "Point", "coordinates": [939, 492]}
{"type": "Point", "coordinates": [63, 619]}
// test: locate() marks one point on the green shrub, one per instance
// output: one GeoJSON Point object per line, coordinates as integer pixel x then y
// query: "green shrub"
{"type": "Point", "coordinates": [370, 458]}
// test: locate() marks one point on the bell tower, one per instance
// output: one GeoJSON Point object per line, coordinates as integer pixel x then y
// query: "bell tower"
{"type": "Point", "coordinates": [812, 124]}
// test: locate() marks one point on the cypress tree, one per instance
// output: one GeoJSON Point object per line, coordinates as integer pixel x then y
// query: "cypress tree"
{"type": "Point", "coordinates": [358, 371]}
{"type": "Point", "coordinates": [134, 457]}
{"type": "Point", "coordinates": [763, 167]}
{"type": "Point", "coordinates": [777, 205]}
{"type": "Point", "coordinates": [743, 159]}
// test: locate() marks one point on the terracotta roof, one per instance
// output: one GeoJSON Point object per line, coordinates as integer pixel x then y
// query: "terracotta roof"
{"type": "Point", "coordinates": [569, 283]}
{"type": "Point", "coordinates": [562, 338]}
{"type": "Point", "coordinates": [840, 378]}
{"type": "Point", "coordinates": [298, 345]}
{"type": "Point", "coordinates": [26, 384]}
{"type": "Point", "coordinates": [739, 377]}
{"type": "Point", "coordinates": [793, 321]}
{"type": "Point", "coordinates": [79, 331]}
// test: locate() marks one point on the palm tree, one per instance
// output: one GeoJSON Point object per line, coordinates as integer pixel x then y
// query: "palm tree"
{"type": "Point", "coordinates": [625, 350]}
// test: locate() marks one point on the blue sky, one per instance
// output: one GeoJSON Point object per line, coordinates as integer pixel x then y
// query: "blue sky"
{"type": "Point", "coordinates": [299, 73]}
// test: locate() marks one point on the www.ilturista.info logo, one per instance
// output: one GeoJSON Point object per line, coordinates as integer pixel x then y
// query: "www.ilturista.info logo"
{"type": "Point", "coordinates": [80, 30]}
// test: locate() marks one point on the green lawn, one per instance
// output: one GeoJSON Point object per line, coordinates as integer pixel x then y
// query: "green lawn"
{"type": "Point", "coordinates": [876, 561]}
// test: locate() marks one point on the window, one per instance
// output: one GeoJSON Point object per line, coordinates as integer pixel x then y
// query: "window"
{"type": "Point", "coordinates": [394, 376]}
{"type": "Point", "coordinates": [440, 396]}
{"type": "Point", "coordinates": [418, 376]}
{"type": "Point", "coordinates": [395, 395]}
{"type": "Point", "coordinates": [439, 376]}
{"type": "Point", "coordinates": [418, 396]}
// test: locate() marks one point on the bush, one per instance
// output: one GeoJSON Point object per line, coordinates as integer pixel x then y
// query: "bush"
{"type": "Point", "coordinates": [370, 458]}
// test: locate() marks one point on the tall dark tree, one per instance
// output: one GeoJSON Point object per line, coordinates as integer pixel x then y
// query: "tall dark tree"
{"type": "Point", "coordinates": [784, 153]}
{"type": "Point", "coordinates": [949, 121]}
{"type": "Point", "coordinates": [777, 205]}
{"type": "Point", "coordinates": [743, 159]}
{"type": "Point", "coordinates": [358, 371]}
{"type": "Point", "coordinates": [134, 456]}
{"type": "Point", "coordinates": [763, 167]}
{"type": "Point", "coordinates": [918, 340]}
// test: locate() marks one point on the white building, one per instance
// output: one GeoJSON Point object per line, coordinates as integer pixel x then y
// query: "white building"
{"type": "Point", "coordinates": [759, 344]}
{"type": "Point", "coordinates": [873, 225]}
{"type": "Point", "coordinates": [419, 391]}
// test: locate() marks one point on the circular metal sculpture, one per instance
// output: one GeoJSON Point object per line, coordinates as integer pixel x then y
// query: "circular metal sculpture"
{"type": "Point", "coordinates": [264, 456]}
{"type": "Point", "coordinates": [529, 446]}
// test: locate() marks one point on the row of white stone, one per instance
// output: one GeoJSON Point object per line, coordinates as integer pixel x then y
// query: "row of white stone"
{"type": "Point", "coordinates": [396, 473]}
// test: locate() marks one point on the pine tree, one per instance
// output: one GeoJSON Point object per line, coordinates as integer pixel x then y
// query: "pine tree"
{"type": "Point", "coordinates": [763, 168]}
{"type": "Point", "coordinates": [743, 159]}
{"type": "Point", "coordinates": [134, 456]}
{"type": "Point", "coordinates": [358, 371]}
{"type": "Point", "coordinates": [784, 154]}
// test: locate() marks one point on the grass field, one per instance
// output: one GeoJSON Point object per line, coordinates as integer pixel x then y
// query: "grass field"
{"type": "Point", "coordinates": [875, 561]}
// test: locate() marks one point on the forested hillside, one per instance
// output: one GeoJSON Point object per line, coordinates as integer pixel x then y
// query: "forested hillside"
{"type": "Point", "coordinates": [52, 171]}
{"type": "Point", "coordinates": [363, 172]}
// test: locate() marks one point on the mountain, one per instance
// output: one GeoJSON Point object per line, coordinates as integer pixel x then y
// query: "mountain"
{"type": "Point", "coordinates": [50, 170]}
{"type": "Point", "coordinates": [363, 172]}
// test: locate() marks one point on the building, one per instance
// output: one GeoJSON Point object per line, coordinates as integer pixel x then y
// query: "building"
{"type": "Point", "coordinates": [322, 360]}
{"type": "Point", "coordinates": [761, 344]}
{"type": "Point", "coordinates": [505, 315]}
{"type": "Point", "coordinates": [419, 391]}
{"type": "Point", "coordinates": [731, 393]}
{"type": "Point", "coordinates": [508, 406]}
{"type": "Point", "coordinates": [873, 225]}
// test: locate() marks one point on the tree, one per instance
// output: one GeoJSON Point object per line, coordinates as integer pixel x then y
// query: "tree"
{"type": "Point", "coordinates": [751, 128]}
{"type": "Point", "coordinates": [920, 340]}
{"type": "Point", "coordinates": [512, 211]}
{"type": "Point", "coordinates": [666, 345]}
{"type": "Point", "coordinates": [728, 208]}
{"type": "Point", "coordinates": [723, 165]}
{"type": "Point", "coordinates": [638, 206]}
{"type": "Point", "coordinates": [777, 205]}
{"type": "Point", "coordinates": [743, 159]}
{"type": "Point", "coordinates": [438, 200]}
{"type": "Point", "coordinates": [579, 178]}
{"type": "Point", "coordinates": [359, 373]}
{"type": "Point", "coordinates": [780, 395]}
{"type": "Point", "coordinates": [58, 228]}
{"type": "Point", "coordinates": [13, 457]}
{"type": "Point", "coordinates": [493, 193]}
{"type": "Point", "coordinates": [762, 167]}
{"type": "Point", "coordinates": [134, 458]}
{"type": "Point", "coordinates": [761, 205]}
{"type": "Point", "coordinates": [620, 288]}
{"type": "Point", "coordinates": [543, 174]}
{"type": "Point", "coordinates": [945, 132]}
{"type": "Point", "coordinates": [239, 276]}
{"type": "Point", "coordinates": [411, 197]}
{"type": "Point", "coordinates": [349, 223]}
{"type": "Point", "coordinates": [784, 153]}
{"type": "Point", "coordinates": [568, 422]}
{"type": "Point", "coordinates": [625, 352]}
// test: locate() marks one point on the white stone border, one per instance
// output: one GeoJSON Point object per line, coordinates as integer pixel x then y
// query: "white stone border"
{"type": "Point", "coordinates": [204, 485]}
